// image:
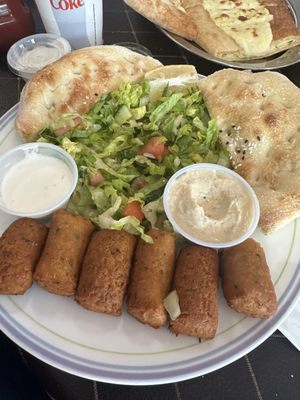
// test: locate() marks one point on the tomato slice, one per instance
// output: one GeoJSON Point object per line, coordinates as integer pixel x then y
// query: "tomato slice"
{"type": "Point", "coordinates": [155, 147]}
{"type": "Point", "coordinates": [134, 209]}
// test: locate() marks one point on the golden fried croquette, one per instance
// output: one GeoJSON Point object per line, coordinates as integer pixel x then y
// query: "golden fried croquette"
{"type": "Point", "coordinates": [196, 284]}
{"type": "Point", "coordinates": [59, 266]}
{"type": "Point", "coordinates": [105, 271]}
{"type": "Point", "coordinates": [151, 278]}
{"type": "Point", "coordinates": [20, 247]}
{"type": "Point", "coordinates": [246, 280]}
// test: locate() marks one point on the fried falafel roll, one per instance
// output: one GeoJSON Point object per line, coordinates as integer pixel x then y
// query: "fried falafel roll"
{"type": "Point", "coordinates": [196, 284]}
{"type": "Point", "coordinates": [20, 247]}
{"type": "Point", "coordinates": [246, 280]}
{"type": "Point", "coordinates": [105, 271]}
{"type": "Point", "coordinates": [59, 266]}
{"type": "Point", "coordinates": [151, 278]}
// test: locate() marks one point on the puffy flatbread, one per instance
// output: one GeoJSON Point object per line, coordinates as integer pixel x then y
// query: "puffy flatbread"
{"type": "Point", "coordinates": [243, 29]}
{"type": "Point", "coordinates": [209, 36]}
{"type": "Point", "coordinates": [258, 115]}
{"type": "Point", "coordinates": [74, 83]}
{"type": "Point", "coordinates": [169, 14]}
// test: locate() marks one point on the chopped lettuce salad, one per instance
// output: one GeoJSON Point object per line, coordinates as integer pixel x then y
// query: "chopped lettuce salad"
{"type": "Point", "coordinates": [128, 146]}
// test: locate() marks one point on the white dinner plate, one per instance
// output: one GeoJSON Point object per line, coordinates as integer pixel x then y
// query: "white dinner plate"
{"type": "Point", "coordinates": [120, 349]}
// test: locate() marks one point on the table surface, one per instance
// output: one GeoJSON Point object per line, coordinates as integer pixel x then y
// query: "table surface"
{"type": "Point", "coordinates": [271, 371]}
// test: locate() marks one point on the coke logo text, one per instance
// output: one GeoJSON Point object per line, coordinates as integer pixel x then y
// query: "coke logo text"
{"type": "Point", "coordinates": [66, 5]}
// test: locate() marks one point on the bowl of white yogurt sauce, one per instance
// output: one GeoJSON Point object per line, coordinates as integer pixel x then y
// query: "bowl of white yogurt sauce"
{"type": "Point", "coordinates": [211, 205]}
{"type": "Point", "coordinates": [36, 179]}
{"type": "Point", "coordinates": [32, 53]}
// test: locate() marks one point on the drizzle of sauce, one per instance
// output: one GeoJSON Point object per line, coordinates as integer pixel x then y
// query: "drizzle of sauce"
{"type": "Point", "coordinates": [35, 184]}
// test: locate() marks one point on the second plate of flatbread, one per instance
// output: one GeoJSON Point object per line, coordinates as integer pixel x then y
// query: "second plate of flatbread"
{"type": "Point", "coordinates": [256, 34]}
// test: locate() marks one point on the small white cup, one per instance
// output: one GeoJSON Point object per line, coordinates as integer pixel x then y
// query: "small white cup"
{"type": "Point", "coordinates": [32, 53]}
{"type": "Point", "coordinates": [19, 153]}
{"type": "Point", "coordinates": [216, 167]}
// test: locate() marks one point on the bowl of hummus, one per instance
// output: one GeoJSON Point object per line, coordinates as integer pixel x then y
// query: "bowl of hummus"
{"type": "Point", "coordinates": [211, 205]}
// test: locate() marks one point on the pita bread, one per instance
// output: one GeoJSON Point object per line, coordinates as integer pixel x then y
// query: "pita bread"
{"type": "Point", "coordinates": [258, 115]}
{"type": "Point", "coordinates": [74, 83]}
{"type": "Point", "coordinates": [169, 14]}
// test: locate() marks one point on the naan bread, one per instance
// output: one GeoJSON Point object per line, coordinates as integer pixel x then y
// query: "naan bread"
{"type": "Point", "coordinates": [169, 14]}
{"type": "Point", "coordinates": [243, 29]}
{"type": "Point", "coordinates": [258, 115]}
{"type": "Point", "coordinates": [74, 83]}
{"type": "Point", "coordinates": [285, 32]}
{"type": "Point", "coordinates": [209, 36]}
{"type": "Point", "coordinates": [227, 29]}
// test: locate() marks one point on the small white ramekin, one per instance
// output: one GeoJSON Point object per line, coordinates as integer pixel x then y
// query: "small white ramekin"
{"type": "Point", "coordinates": [22, 46]}
{"type": "Point", "coordinates": [17, 154]}
{"type": "Point", "coordinates": [216, 167]}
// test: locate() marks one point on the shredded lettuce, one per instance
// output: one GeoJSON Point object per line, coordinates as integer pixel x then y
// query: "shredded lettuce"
{"type": "Point", "coordinates": [132, 225]}
{"type": "Point", "coordinates": [108, 141]}
{"type": "Point", "coordinates": [155, 213]}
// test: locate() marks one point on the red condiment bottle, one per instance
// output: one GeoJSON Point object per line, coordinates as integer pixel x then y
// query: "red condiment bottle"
{"type": "Point", "coordinates": [15, 22]}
